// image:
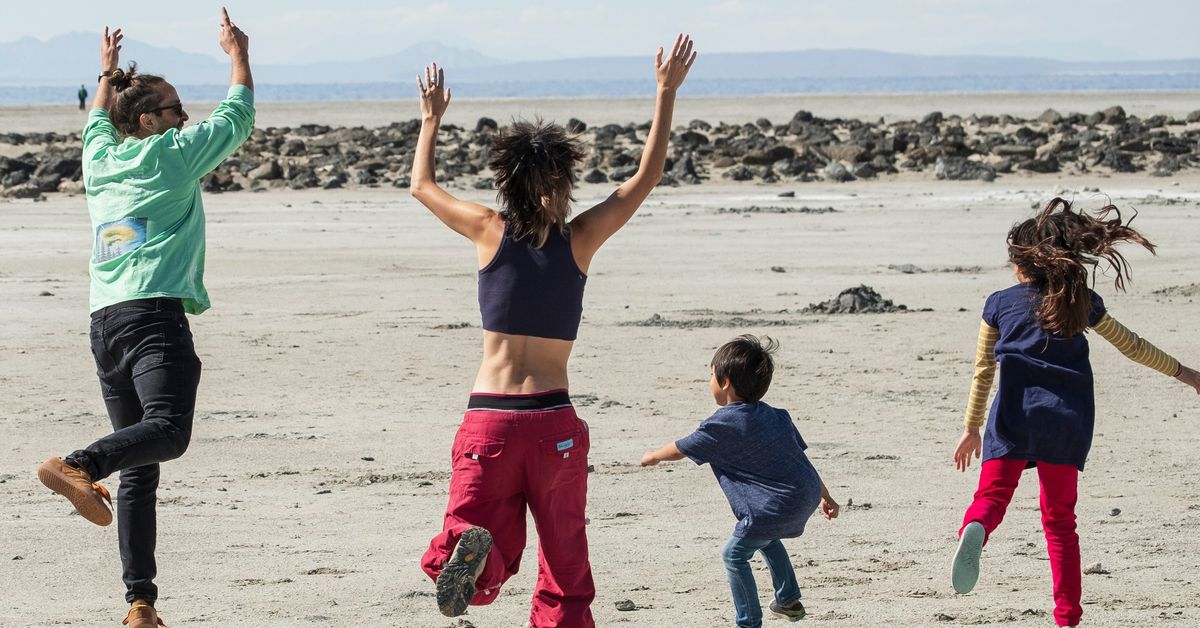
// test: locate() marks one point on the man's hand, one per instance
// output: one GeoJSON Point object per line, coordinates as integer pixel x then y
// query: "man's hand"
{"type": "Point", "coordinates": [649, 459]}
{"type": "Point", "coordinates": [110, 50]}
{"type": "Point", "coordinates": [670, 73]}
{"type": "Point", "coordinates": [233, 41]}
{"type": "Point", "coordinates": [435, 96]}
{"type": "Point", "coordinates": [970, 443]}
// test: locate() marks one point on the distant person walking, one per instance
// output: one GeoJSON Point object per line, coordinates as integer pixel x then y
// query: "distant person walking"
{"type": "Point", "coordinates": [83, 94]}
{"type": "Point", "coordinates": [520, 443]}
{"type": "Point", "coordinates": [1044, 410]}
{"type": "Point", "coordinates": [142, 172]}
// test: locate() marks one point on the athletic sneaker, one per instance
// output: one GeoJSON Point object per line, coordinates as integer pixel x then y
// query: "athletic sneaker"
{"type": "Point", "coordinates": [142, 615]}
{"type": "Point", "coordinates": [456, 584]}
{"type": "Point", "coordinates": [794, 610]}
{"type": "Point", "coordinates": [89, 498]}
{"type": "Point", "coordinates": [966, 560]}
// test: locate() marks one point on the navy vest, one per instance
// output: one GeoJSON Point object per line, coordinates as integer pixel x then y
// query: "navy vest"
{"type": "Point", "coordinates": [528, 291]}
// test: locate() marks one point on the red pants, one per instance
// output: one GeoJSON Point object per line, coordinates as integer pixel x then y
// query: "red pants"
{"type": "Point", "coordinates": [1058, 482]}
{"type": "Point", "coordinates": [504, 460]}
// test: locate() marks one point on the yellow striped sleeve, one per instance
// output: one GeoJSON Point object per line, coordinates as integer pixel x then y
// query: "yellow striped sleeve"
{"type": "Point", "coordinates": [1135, 347]}
{"type": "Point", "coordinates": [985, 372]}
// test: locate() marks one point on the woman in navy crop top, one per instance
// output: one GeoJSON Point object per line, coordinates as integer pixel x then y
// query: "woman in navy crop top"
{"type": "Point", "coordinates": [520, 441]}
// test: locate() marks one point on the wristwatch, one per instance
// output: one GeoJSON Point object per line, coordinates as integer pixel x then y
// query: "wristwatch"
{"type": "Point", "coordinates": [109, 74]}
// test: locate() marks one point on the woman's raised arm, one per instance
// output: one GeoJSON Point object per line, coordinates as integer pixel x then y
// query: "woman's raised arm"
{"type": "Point", "coordinates": [591, 228]}
{"type": "Point", "coordinates": [469, 219]}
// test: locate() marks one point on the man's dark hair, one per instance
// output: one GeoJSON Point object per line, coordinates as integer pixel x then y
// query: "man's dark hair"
{"type": "Point", "coordinates": [746, 363]}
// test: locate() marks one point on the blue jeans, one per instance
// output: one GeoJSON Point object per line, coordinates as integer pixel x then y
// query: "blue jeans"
{"type": "Point", "coordinates": [741, 579]}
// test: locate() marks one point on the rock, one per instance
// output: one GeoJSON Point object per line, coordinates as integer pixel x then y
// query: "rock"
{"type": "Point", "coordinates": [691, 139]}
{"type": "Point", "coordinates": [860, 299]}
{"type": "Point", "coordinates": [576, 126]}
{"type": "Point", "coordinates": [1013, 150]}
{"type": "Point", "coordinates": [1117, 161]}
{"type": "Point", "coordinates": [1194, 116]}
{"type": "Point", "coordinates": [933, 118]}
{"type": "Point", "coordinates": [335, 182]}
{"type": "Point", "coordinates": [268, 171]}
{"type": "Point", "coordinates": [835, 171]}
{"type": "Point", "coordinates": [684, 169]}
{"type": "Point", "coordinates": [863, 171]}
{"type": "Point", "coordinates": [23, 190]}
{"type": "Point", "coordinates": [963, 169]}
{"type": "Point", "coordinates": [595, 176]}
{"type": "Point", "coordinates": [763, 124]}
{"type": "Point", "coordinates": [1050, 116]}
{"type": "Point", "coordinates": [294, 147]}
{"type": "Point", "coordinates": [486, 124]}
{"type": "Point", "coordinates": [1095, 569]}
{"type": "Point", "coordinates": [768, 157]}
{"type": "Point", "coordinates": [1113, 115]}
{"type": "Point", "coordinates": [738, 173]}
{"type": "Point", "coordinates": [620, 175]}
{"type": "Point", "coordinates": [59, 167]}
{"type": "Point", "coordinates": [849, 153]}
{"type": "Point", "coordinates": [625, 605]}
{"type": "Point", "coordinates": [802, 117]}
{"type": "Point", "coordinates": [788, 194]}
{"type": "Point", "coordinates": [1114, 512]}
{"type": "Point", "coordinates": [1047, 165]}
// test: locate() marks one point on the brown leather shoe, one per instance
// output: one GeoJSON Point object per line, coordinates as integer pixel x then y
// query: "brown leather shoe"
{"type": "Point", "coordinates": [142, 615]}
{"type": "Point", "coordinates": [90, 499]}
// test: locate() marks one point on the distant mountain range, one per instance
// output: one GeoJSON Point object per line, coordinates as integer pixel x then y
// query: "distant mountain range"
{"type": "Point", "coordinates": [33, 67]}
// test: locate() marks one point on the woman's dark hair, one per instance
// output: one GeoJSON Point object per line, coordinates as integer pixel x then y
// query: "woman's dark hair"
{"type": "Point", "coordinates": [1054, 251]}
{"type": "Point", "coordinates": [534, 168]}
{"type": "Point", "coordinates": [746, 363]}
{"type": "Point", "coordinates": [136, 94]}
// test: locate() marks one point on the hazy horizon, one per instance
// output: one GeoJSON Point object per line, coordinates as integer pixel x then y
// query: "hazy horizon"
{"type": "Point", "coordinates": [307, 31]}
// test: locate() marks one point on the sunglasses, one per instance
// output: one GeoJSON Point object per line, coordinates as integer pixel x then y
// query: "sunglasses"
{"type": "Point", "coordinates": [177, 108]}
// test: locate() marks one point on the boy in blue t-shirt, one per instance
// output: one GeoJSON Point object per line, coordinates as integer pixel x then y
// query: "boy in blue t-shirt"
{"type": "Point", "coordinates": [758, 457]}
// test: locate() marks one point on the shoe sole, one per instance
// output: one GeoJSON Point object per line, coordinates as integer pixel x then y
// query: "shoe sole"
{"type": "Point", "coordinates": [965, 572]}
{"type": "Point", "coordinates": [456, 584]}
{"type": "Point", "coordinates": [88, 503]}
{"type": "Point", "coordinates": [790, 615]}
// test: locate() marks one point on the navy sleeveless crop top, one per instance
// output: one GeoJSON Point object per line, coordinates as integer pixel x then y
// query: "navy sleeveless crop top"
{"type": "Point", "coordinates": [528, 291]}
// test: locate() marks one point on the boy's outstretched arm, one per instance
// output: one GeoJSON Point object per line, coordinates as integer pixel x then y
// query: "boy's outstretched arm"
{"type": "Point", "coordinates": [666, 452]}
{"type": "Point", "coordinates": [829, 508]}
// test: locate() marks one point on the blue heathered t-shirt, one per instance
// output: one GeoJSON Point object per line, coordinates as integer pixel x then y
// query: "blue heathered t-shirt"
{"type": "Point", "coordinates": [758, 457]}
{"type": "Point", "coordinates": [1044, 409]}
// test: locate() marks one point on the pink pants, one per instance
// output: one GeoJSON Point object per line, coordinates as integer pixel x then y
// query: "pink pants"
{"type": "Point", "coordinates": [503, 462]}
{"type": "Point", "coordinates": [1058, 482]}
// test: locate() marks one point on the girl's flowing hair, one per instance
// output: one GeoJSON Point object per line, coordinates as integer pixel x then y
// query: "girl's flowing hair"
{"type": "Point", "coordinates": [136, 94]}
{"type": "Point", "coordinates": [1058, 249]}
{"type": "Point", "coordinates": [534, 168]}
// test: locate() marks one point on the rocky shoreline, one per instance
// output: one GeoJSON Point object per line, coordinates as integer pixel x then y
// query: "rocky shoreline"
{"type": "Point", "coordinates": [806, 148]}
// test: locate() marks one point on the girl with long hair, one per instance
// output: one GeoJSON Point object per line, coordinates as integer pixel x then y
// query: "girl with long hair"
{"type": "Point", "coordinates": [1044, 410]}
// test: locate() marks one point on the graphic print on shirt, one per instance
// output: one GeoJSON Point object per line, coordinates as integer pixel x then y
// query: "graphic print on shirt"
{"type": "Point", "coordinates": [116, 238]}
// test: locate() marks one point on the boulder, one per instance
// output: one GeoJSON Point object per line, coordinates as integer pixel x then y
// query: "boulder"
{"type": "Point", "coordinates": [835, 171]}
{"type": "Point", "coordinates": [963, 169]}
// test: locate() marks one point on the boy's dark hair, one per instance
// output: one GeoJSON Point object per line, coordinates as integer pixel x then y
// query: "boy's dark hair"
{"type": "Point", "coordinates": [1056, 249]}
{"type": "Point", "coordinates": [746, 363]}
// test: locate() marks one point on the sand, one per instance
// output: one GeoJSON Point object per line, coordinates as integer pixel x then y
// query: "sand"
{"type": "Point", "coordinates": [337, 365]}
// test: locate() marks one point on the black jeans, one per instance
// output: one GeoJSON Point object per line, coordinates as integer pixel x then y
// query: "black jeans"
{"type": "Point", "coordinates": [149, 373]}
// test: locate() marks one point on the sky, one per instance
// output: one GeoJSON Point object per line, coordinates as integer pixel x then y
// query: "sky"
{"type": "Point", "coordinates": [303, 31]}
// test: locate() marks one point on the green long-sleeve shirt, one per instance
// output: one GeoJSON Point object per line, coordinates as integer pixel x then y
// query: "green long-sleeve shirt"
{"type": "Point", "coordinates": [143, 196]}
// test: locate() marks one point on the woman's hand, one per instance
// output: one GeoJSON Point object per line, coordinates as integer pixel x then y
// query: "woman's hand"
{"type": "Point", "coordinates": [1189, 377]}
{"type": "Point", "coordinates": [649, 459]}
{"type": "Point", "coordinates": [670, 73]}
{"type": "Point", "coordinates": [970, 443]}
{"type": "Point", "coordinates": [435, 96]}
{"type": "Point", "coordinates": [233, 41]}
{"type": "Point", "coordinates": [110, 50]}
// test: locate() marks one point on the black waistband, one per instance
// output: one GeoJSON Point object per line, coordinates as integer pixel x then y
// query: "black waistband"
{"type": "Point", "coordinates": [547, 400]}
{"type": "Point", "coordinates": [159, 304]}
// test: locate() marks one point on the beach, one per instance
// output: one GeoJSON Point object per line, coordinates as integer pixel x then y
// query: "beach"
{"type": "Point", "coordinates": [345, 333]}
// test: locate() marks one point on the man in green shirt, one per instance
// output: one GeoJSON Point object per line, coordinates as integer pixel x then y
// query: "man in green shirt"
{"type": "Point", "coordinates": [142, 171]}
{"type": "Point", "coordinates": [82, 94]}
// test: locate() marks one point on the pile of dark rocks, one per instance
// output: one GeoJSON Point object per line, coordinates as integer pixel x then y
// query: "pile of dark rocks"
{"type": "Point", "coordinates": [805, 148]}
{"type": "Point", "coordinates": [856, 300]}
